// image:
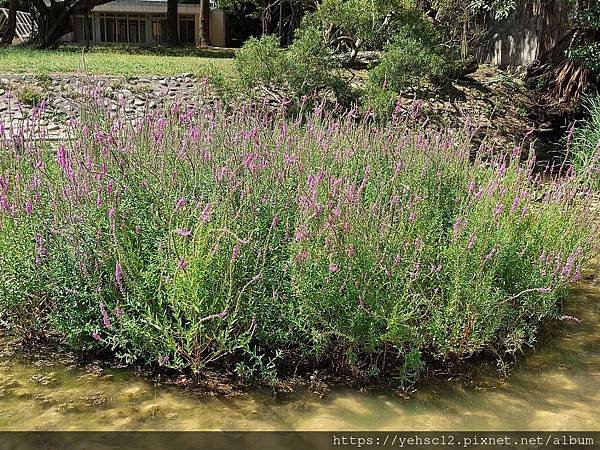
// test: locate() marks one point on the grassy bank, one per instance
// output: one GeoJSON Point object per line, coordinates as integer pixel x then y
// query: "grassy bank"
{"type": "Point", "coordinates": [190, 238]}
{"type": "Point", "coordinates": [124, 61]}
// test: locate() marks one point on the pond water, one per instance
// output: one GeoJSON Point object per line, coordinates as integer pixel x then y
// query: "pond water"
{"type": "Point", "coordinates": [555, 387]}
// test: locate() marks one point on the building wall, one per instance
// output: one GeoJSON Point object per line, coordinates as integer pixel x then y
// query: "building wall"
{"type": "Point", "coordinates": [138, 26]}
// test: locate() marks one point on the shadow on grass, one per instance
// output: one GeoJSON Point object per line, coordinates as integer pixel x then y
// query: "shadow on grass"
{"type": "Point", "coordinates": [158, 50]}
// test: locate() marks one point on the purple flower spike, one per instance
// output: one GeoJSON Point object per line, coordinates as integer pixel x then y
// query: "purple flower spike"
{"type": "Point", "coordinates": [182, 264]}
{"type": "Point", "coordinates": [118, 274]}
{"type": "Point", "coordinates": [351, 251]}
{"type": "Point", "coordinates": [96, 336]}
{"type": "Point", "coordinates": [275, 222]}
{"type": "Point", "coordinates": [206, 213]}
{"type": "Point", "coordinates": [301, 257]}
{"type": "Point", "coordinates": [471, 242]}
{"type": "Point", "coordinates": [183, 232]}
{"type": "Point", "coordinates": [498, 210]}
{"type": "Point", "coordinates": [235, 252]}
{"type": "Point", "coordinates": [491, 254]}
{"type": "Point", "coordinates": [180, 203]}
{"type": "Point", "coordinates": [105, 318]}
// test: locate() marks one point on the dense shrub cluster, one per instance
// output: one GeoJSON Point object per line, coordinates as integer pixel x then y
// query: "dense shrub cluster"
{"type": "Point", "coordinates": [411, 57]}
{"type": "Point", "coordinates": [415, 56]}
{"type": "Point", "coordinates": [188, 236]}
{"type": "Point", "coordinates": [370, 24]}
{"type": "Point", "coordinates": [412, 54]}
{"type": "Point", "coordinates": [305, 69]}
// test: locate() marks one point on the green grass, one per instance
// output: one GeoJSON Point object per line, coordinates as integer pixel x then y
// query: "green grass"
{"type": "Point", "coordinates": [124, 61]}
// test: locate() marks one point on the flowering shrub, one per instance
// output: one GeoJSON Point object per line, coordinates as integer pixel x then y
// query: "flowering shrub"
{"type": "Point", "coordinates": [187, 237]}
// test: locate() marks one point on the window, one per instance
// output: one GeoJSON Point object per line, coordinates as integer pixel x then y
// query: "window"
{"type": "Point", "coordinates": [82, 29]}
{"type": "Point", "coordinates": [111, 34]}
{"type": "Point", "coordinates": [134, 31]}
{"type": "Point", "coordinates": [122, 30]}
{"type": "Point", "coordinates": [159, 30]}
{"type": "Point", "coordinates": [187, 30]}
{"type": "Point", "coordinates": [142, 30]}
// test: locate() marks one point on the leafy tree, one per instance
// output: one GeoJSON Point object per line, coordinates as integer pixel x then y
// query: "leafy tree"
{"type": "Point", "coordinates": [53, 18]}
{"type": "Point", "coordinates": [280, 17]}
{"type": "Point", "coordinates": [500, 9]}
{"type": "Point", "coordinates": [366, 24]}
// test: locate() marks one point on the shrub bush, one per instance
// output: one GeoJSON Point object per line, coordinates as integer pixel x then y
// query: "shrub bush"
{"type": "Point", "coordinates": [414, 55]}
{"type": "Point", "coordinates": [260, 61]}
{"type": "Point", "coordinates": [188, 237]}
{"type": "Point", "coordinates": [306, 69]}
{"type": "Point", "coordinates": [370, 24]}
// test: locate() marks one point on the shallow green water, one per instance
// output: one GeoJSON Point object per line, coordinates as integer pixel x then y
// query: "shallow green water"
{"type": "Point", "coordinates": [555, 387]}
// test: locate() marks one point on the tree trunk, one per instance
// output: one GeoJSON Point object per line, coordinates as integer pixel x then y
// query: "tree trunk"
{"type": "Point", "coordinates": [172, 25]}
{"type": "Point", "coordinates": [566, 78]}
{"type": "Point", "coordinates": [204, 23]}
{"type": "Point", "coordinates": [53, 20]}
{"type": "Point", "coordinates": [53, 23]}
{"type": "Point", "coordinates": [11, 24]}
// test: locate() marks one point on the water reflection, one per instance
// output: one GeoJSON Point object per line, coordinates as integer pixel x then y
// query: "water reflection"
{"type": "Point", "coordinates": [555, 387]}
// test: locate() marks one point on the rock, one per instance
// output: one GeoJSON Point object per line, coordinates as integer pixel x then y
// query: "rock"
{"type": "Point", "coordinates": [2, 91]}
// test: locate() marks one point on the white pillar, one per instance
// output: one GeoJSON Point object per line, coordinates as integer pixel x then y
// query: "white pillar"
{"type": "Point", "coordinates": [96, 26]}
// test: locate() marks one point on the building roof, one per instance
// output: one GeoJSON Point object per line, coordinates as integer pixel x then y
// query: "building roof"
{"type": "Point", "coordinates": [148, 7]}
